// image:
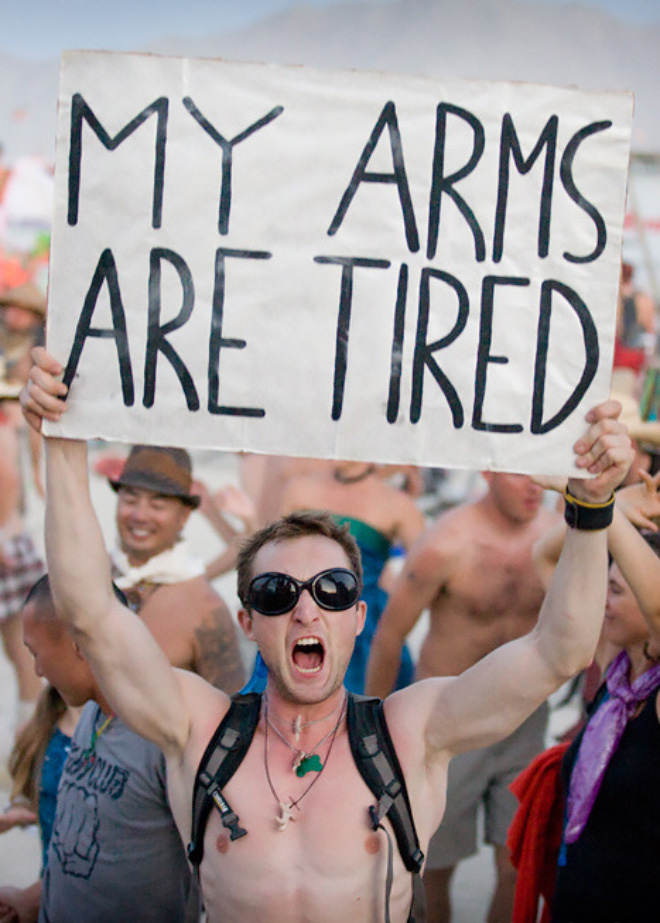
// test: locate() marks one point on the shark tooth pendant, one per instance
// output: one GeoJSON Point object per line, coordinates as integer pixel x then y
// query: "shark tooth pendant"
{"type": "Point", "coordinates": [286, 814]}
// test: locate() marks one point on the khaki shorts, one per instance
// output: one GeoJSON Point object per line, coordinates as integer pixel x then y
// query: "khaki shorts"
{"type": "Point", "coordinates": [482, 778]}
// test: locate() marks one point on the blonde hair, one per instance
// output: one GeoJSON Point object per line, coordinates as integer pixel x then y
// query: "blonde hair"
{"type": "Point", "coordinates": [29, 749]}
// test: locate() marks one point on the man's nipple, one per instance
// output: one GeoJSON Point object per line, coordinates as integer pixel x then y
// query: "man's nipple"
{"type": "Point", "coordinates": [222, 843]}
{"type": "Point", "coordinates": [372, 844]}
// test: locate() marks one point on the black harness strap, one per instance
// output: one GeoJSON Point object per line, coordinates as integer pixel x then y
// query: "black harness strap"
{"type": "Point", "coordinates": [222, 757]}
{"type": "Point", "coordinates": [378, 764]}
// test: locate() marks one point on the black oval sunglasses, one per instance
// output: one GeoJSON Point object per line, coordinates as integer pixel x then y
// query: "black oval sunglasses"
{"type": "Point", "coordinates": [274, 593]}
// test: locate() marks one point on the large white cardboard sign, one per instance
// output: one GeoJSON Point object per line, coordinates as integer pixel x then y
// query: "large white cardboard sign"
{"type": "Point", "coordinates": [334, 264]}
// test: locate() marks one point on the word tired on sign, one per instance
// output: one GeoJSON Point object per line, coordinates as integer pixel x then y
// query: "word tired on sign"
{"type": "Point", "coordinates": [441, 185]}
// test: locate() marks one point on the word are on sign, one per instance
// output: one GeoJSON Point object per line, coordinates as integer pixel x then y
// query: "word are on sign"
{"type": "Point", "coordinates": [334, 264]}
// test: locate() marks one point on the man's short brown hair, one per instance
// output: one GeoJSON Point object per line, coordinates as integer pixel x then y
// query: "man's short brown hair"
{"type": "Point", "coordinates": [300, 524]}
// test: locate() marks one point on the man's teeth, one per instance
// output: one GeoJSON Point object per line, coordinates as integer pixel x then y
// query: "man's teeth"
{"type": "Point", "coordinates": [310, 642]}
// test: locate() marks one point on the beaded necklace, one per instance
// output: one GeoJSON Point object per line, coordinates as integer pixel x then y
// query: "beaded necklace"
{"type": "Point", "coordinates": [90, 753]}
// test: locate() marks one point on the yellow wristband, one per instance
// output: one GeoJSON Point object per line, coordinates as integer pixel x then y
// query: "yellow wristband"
{"type": "Point", "coordinates": [585, 516]}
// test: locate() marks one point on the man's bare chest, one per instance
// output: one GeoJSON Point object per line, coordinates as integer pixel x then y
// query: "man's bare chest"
{"type": "Point", "coordinates": [491, 581]}
{"type": "Point", "coordinates": [311, 839]}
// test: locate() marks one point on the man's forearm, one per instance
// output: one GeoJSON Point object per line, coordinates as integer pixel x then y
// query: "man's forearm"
{"type": "Point", "coordinates": [77, 559]}
{"type": "Point", "coordinates": [572, 611]}
{"type": "Point", "coordinates": [383, 665]}
{"type": "Point", "coordinates": [224, 562]}
{"type": "Point", "coordinates": [639, 565]}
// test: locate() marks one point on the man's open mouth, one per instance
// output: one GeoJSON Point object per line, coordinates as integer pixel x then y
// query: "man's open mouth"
{"type": "Point", "coordinates": [308, 655]}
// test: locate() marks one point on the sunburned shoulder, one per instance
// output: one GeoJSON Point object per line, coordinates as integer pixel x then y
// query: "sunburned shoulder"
{"type": "Point", "coordinates": [457, 518]}
{"type": "Point", "coordinates": [449, 532]}
{"type": "Point", "coordinates": [469, 521]}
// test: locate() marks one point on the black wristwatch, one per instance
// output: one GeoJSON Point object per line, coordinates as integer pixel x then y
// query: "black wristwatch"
{"type": "Point", "coordinates": [587, 517]}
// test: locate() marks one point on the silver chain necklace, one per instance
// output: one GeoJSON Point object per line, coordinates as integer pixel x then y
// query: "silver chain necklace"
{"type": "Point", "coordinates": [304, 761]}
{"type": "Point", "coordinates": [298, 725]}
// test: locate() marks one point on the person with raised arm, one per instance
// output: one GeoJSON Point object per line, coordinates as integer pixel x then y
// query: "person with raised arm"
{"type": "Point", "coordinates": [295, 835]}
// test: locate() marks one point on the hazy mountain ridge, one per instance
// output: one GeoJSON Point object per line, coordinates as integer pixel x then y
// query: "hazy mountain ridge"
{"type": "Point", "coordinates": [571, 44]}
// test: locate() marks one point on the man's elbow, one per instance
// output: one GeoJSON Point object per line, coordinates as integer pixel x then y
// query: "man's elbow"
{"type": "Point", "coordinates": [87, 624]}
{"type": "Point", "coordinates": [67, 611]}
{"type": "Point", "coordinates": [574, 665]}
{"type": "Point", "coordinates": [564, 660]}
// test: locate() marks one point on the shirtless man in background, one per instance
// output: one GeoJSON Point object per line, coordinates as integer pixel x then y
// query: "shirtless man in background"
{"type": "Point", "coordinates": [163, 582]}
{"type": "Point", "coordinates": [473, 571]}
{"type": "Point", "coordinates": [267, 479]}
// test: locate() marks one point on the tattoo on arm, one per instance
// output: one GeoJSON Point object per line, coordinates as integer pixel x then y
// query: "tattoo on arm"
{"type": "Point", "coordinates": [218, 653]}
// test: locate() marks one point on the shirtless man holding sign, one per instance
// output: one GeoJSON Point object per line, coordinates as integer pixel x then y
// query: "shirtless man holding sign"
{"type": "Point", "coordinates": [329, 864]}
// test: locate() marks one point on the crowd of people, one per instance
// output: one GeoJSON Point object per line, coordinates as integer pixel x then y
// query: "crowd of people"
{"type": "Point", "coordinates": [129, 665]}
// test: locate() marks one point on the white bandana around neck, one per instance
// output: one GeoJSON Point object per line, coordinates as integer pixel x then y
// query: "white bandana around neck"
{"type": "Point", "coordinates": [174, 565]}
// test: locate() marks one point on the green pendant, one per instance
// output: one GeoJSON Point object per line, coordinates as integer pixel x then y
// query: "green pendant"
{"type": "Point", "coordinates": [309, 764]}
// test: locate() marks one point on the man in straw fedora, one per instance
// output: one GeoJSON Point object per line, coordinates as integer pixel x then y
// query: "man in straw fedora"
{"type": "Point", "coordinates": [162, 580]}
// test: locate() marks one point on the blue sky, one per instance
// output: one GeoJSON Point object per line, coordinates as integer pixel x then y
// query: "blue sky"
{"type": "Point", "coordinates": [43, 28]}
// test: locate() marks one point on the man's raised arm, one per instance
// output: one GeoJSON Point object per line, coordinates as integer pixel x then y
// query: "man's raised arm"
{"type": "Point", "coordinates": [136, 677]}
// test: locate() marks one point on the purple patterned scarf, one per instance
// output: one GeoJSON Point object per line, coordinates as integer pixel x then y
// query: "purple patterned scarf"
{"type": "Point", "coordinates": [601, 738]}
